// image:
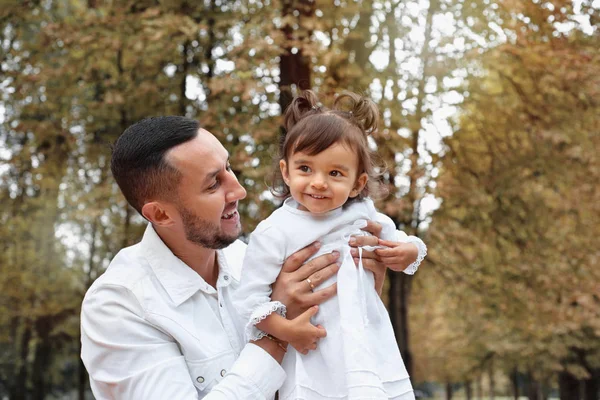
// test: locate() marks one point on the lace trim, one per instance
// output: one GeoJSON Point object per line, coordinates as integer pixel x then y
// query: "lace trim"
{"type": "Point", "coordinates": [260, 313]}
{"type": "Point", "coordinates": [412, 268]}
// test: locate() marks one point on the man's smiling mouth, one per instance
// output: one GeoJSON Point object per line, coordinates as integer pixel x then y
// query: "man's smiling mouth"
{"type": "Point", "coordinates": [229, 215]}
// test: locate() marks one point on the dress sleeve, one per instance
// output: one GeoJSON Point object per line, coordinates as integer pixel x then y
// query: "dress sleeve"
{"type": "Point", "coordinates": [129, 358]}
{"type": "Point", "coordinates": [261, 267]}
{"type": "Point", "coordinates": [389, 232]}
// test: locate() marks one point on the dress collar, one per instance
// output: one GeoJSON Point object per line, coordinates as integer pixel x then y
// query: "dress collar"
{"type": "Point", "coordinates": [292, 205]}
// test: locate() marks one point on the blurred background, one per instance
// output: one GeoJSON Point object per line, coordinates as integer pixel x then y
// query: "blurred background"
{"type": "Point", "coordinates": [490, 132]}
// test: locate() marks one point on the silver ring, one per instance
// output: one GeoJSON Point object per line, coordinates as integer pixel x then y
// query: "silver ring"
{"type": "Point", "coordinates": [312, 287]}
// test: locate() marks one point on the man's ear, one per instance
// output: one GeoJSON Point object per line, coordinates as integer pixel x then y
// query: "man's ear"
{"type": "Point", "coordinates": [285, 173]}
{"type": "Point", "coordinates": [361, 181]}
{"type": "Point", "coordinates": [158, 213]}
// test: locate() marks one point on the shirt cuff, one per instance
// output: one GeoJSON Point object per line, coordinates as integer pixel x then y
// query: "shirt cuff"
{"type": "Point", "coordinates": [259, 367]}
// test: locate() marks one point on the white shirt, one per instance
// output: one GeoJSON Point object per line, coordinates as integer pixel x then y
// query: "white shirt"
{"type": "Point", "coordinates": [359, 358]}
{"type": "Point", "coordinates": [152, 328]}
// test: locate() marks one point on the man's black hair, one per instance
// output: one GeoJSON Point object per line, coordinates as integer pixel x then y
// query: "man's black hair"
{"type": "Point", "coordinates": [138, 160]}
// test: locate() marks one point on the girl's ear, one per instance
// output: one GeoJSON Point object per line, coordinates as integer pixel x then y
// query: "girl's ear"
{"type": "Point", "coordinates": [361, 181]}
{"type": "Point", "coordinates": [284, 172]}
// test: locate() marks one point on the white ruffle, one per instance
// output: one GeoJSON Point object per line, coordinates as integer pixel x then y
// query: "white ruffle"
{"type": "Point", "coordinates": [261, 312]}
{"type": "Point", "coordinates": [412, 268]}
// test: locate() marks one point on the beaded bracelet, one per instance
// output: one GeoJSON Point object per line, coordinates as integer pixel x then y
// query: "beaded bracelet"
{"type": "Point", "coordinates": [279, 343]}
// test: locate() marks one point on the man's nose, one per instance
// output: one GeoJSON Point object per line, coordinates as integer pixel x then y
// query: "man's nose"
{"type": "Point", "coordinates": [236, 191]}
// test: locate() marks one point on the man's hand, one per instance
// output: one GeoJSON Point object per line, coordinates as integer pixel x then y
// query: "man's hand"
{"type": "Point", "coordinates": [398, 256]}
{"type": "Point", "coordinates": [370, 259]}
{"type": "Point", "coordinates": [292, 287]}
{"type": "Point", "coordinates": [303, 335]}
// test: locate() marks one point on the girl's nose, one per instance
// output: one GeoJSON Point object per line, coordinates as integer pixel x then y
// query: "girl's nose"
{"type": "Point", "coordinates": [319, 183]}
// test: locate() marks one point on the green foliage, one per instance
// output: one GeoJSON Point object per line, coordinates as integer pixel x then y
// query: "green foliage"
{"type": "Point", "coordinates": [513, 243]}
{"type": "Point", "coordinates": [517, 180]}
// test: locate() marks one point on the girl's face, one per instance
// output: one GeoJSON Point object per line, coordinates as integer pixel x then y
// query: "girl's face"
{"type": "Point", "coordinates": [324, 181]}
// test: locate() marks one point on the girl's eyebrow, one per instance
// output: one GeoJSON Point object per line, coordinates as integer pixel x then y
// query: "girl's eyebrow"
{"type": "Point", "coordinates": [342, 167]}
{"type": "Point", "coordinates": [301, 162]}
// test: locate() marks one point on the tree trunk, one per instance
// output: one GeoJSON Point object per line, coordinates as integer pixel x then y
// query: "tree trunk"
{"type": "Point", "coordinates": [448, 391]}
{"type": "Point", "coordinates": [41, 366]}
{"type": "Point", "coordinates": [82, 377]}
{"type": "Point", "coordinates": [469, 390]}
{"type": "Point", "coordinates": [479, 387]}
{"type": "Point", "coordinates": [532, 388]}
{"type": "Point", "coordinates": [400, 283]}
{"type": "Point", "coordinates": [568, 386]}
{"type": "Point", "coordinates": [399, 292]}
{"type": "Point", "coordinates": [19, 389]}
{"type": "Point", "coordinates": [515, 383]}
{"type": "Point", "coordinates": [591, 386]}
{"type": "Point", "coordinates": [294, 68]}
{"type": "Point", "coordinates": [492, 380]}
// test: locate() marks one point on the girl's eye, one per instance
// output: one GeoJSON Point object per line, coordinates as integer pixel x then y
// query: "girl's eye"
{"type": "Point", "coordinates": [335, 173]}
{"type": "Point", "coordinates": [304, 168]}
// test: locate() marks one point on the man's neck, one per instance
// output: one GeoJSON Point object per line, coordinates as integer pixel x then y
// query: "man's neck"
{"type": "Point", "coordinates": [200, 259]}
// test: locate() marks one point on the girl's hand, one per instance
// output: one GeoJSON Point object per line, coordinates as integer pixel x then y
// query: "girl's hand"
{"type": "Point", "coordinates": [370, 260]}
{"type": "Point", "coordinates": [303, 335]}
{"type": "Point", "coordinates": [398, 256]}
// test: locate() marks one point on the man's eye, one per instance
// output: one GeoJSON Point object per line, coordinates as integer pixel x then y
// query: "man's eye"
{"type": "Point", "coordinates": [304, 168]}
{"type": "Point", "coordinates": [214, 185]}
{"type": "Point", "coordinates": [228, 167]}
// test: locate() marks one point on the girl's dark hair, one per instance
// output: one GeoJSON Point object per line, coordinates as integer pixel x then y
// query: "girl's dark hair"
{"type": "Point", "coordinates": [312, 128]}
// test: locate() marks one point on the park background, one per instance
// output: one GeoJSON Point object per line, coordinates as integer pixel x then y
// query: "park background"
{"type": "Point", "coordinates": [490, 132]}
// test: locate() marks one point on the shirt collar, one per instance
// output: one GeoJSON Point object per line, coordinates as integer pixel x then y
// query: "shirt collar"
{"type": "Point", "coordinates": [179, 280]}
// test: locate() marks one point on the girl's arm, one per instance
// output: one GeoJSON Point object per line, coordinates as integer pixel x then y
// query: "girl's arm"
{"type": "Point", "coordinates": [262, 316]}
{"type": "Point", "coordinates": [299, 332]}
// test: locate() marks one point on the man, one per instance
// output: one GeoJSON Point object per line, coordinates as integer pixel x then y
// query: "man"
{"type": "Point", "coordinates": [159, 323]}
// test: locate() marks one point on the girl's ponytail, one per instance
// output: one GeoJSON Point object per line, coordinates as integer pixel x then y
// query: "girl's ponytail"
{"type": "Point", "coordinates": [299, 108]}
{"type": "Point", "coordinates": [362, 110]}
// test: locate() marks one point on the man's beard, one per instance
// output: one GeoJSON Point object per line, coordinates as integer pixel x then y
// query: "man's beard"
{"type": "Point", "coordinates": [203, 232]}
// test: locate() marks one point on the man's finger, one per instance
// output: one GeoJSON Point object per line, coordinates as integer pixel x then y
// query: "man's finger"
{"type": "Point", "coordinates": [365, 254]}
{"type": "Point", "coordinates": [294, 261]}
{"type": "Point", "coordinates": [321, 295]}
{"type": "Point", "coordinates": [317, 264]}
{"type": "Point", "coordinates": [388, 243]}
{"type": "Point", "coordinates": [379, 271]}
{"type": "Point", "coordinates": [364, 241]}
{"type": "Point", "coordinates": [322, 275]}
{"type": "Point", "coordinates": [373, 228]}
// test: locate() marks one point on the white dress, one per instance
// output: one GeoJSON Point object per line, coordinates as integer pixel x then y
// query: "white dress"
{"type": "Point", "coordinates": [359, 358]}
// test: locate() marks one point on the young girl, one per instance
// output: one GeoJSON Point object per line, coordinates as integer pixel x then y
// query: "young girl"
{"type": "Point", "coordinates": [325, 166]}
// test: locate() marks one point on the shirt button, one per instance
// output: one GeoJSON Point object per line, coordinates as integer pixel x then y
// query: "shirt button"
{"type": "Point", "coordinates": [226, 277]}
{"type": "Point", "coordinates": [223, 372]}
{"type": "Point", "coordinates": [200, 379]}
{"type": "Point", "coordinates": [220, 304]}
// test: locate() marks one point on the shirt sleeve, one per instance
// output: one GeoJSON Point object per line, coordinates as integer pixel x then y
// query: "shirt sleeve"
{"type": "Point", "coordinates": [129, 358]}
{"type": "Point", "coordinates": [262, 264]}
{"type": "Point", "coordinates": [389, 232]}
